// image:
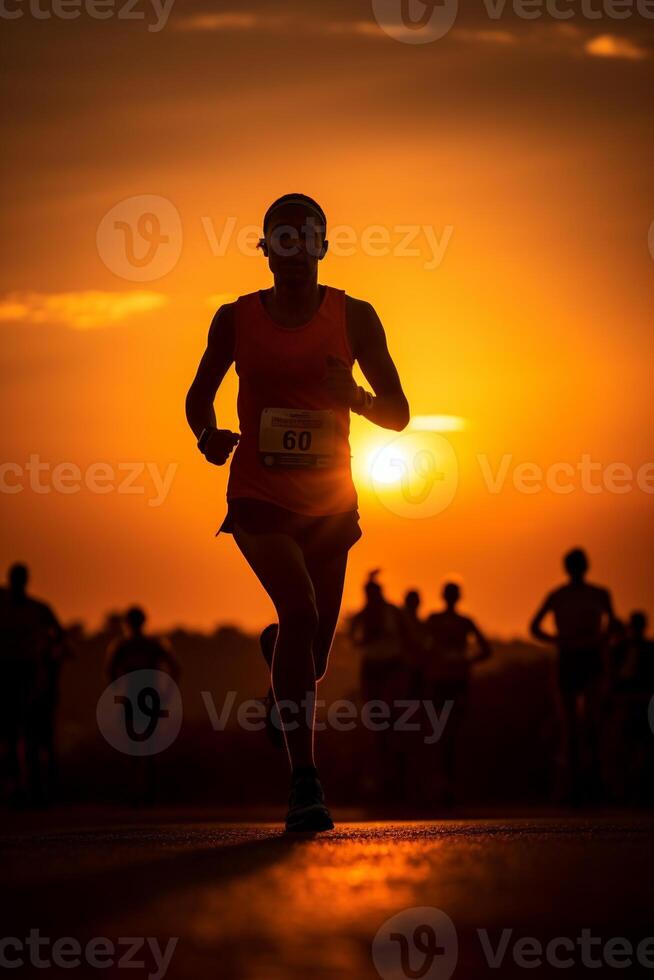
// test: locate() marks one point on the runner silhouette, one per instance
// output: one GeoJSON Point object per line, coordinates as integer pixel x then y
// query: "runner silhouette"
{"type": "Point", "coordinates": [584, 621]}
{"type": "Point", "coordinates": [378, 630]}
{"type": "Point", "coordinates": [446, 670]}
{"type": "Point", "coordinates": [414, 634]}
{"type": "Point", "coordinates": [137, 651]}
{"type": "Point", "coordinates": [635, 687]}
{"type": "Point", "coordinates": [31, 650]}
{"type": "Point", "coordinates": [292, 504]}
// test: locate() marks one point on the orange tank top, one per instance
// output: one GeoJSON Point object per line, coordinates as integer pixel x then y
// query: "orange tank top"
{"type": "Point", "coordinates": [294, 449]}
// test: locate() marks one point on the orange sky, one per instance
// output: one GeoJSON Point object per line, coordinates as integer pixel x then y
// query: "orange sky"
{"type": "Point", "coordinates": [521, 146]}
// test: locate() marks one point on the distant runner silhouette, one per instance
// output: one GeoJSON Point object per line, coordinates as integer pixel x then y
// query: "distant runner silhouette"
{"type": "Point", "coordinates": [635, 689]}
{"type": "Point", "coordinates": [31, 650]}
{"type": "Point", "coordinates": [414, 633]}
{"type": "Point", "coordinates": [378, 630]}
{"type": "Point", "coordinates": [137, 652]}
{"type": "Point", "coordinates": [292, 505]}
{"type": "Point", "coordinates": [584, 620]}
{"type": "Point", "coordinates": [446, 672]}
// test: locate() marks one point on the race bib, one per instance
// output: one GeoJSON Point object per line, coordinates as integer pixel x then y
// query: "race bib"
{"type": "Point", "coordinates": [291, 437]}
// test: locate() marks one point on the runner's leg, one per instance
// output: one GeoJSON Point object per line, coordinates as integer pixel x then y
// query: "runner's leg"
{"type": "Point", "coordinates": [594, 716]}
{"type": "Point", "coordinates": [279, 564]}
{"type": "Point", "coordinates": [569, 709]}
{"type": "Point", "coordinates": [328, 578]}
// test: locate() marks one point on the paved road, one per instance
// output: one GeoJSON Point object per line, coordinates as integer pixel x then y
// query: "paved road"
{"type": "Point", "coordinates": [246, 902]}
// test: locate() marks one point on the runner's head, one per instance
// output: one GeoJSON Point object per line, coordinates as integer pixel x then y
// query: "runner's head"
{"type": "Point", "coordinates": [18, 578]}
{"type": "Point", "coordinates": [576, 563]}
{"type": "Point", "coordinates": [135, 619]}
{"type": "Point", "coordinates": [451, 594]}
{"type": "Point", "coordinates": [372, 588]}
{"type": "Point", "coordinates": [294, 242]}
{"type": "Point", "coordinates": [638, 623]}
{"type": "Point", "coordinates": [412, 600]}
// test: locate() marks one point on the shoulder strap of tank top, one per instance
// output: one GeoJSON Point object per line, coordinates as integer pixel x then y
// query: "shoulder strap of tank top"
{"type": "Point", "coordinates": [245, 309]}
{"type": "Point", "coordinates": [336, 309]}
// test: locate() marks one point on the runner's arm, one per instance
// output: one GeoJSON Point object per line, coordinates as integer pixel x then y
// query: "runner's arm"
{"type": "Point", "coordinates": [168, 660]}
{"type": "Point", "coordinates": [354, 629]}
{"type": "Point", "coordinates": [390, 408]}
{"type": "Point", "coordinates": [59, 649]}
{"type": "Point", "coordinates": [57, 632]}
{"type": "Point", "coordinates": [213, 367]}
{"type": "Point", "coordinates": [535, 627]}
{"type": "Point", "coordinates": [611, 618]}
{"type": "Point", "coordinates": [485, 650]}
{"type": "Point", "coordinates": [112, 662]}
{"type": "Point", "coordinates": [610, 629]}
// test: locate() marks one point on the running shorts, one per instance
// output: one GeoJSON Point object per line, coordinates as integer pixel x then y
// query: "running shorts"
{"type": "Point", "coordinates": [318, 537]}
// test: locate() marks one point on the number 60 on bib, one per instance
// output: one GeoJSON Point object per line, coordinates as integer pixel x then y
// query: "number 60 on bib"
{"type": "Point", "coordinates": [296, 437]}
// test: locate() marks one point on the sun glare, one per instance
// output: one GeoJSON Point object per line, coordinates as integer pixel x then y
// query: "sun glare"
{"type": "Point", "coordinates": [389, 457]}
{"type": "Point", "coordinates": [388, 464]}
{"type": "Point", "coordinates": [438, 423]}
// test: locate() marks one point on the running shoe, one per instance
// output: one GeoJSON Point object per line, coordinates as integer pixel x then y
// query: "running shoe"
{"type": "Point", "coordinates": [306, 806]}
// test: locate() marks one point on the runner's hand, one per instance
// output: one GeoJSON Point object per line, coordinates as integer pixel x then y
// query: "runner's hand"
{"type": "Point", "coordinates": [220, 445]}
{"type": "Point", "coordinates": [338, 379]}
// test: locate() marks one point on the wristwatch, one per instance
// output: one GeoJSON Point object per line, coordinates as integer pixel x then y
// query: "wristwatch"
{"type": "Point", "coordinates": [205, 435]}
